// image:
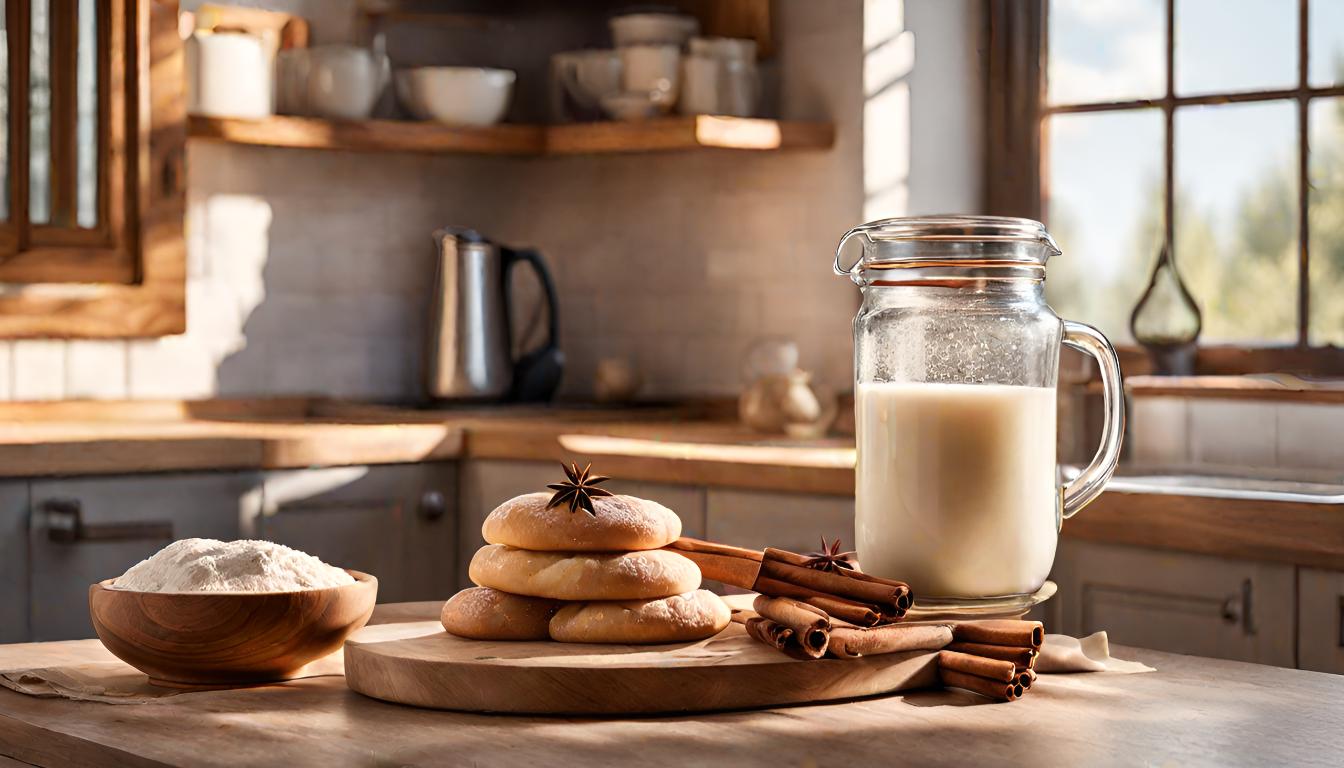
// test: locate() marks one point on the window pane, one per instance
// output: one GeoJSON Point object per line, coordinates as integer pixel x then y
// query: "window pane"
{"type": "Point", "coordinates": [1326, 42]}
{"type": "Point", "coordinates": [1235, 45]}
{"type": "Point", "coordinates": [1106, 51]}
{"type": "Point", "coordinates": [1326, 226]}
{"type": "Point", "coordinates": [1236, 218]}
{"type": "Point", "coordinates": [39, 117]}
{"type": "Point", "coordinates": [86, 128]}
{"type": "Point", "coordinates": [1105, 210]}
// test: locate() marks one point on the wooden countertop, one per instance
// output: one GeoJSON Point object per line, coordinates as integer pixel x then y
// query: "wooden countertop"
{"type": "Point", "coordinates": [1191, 711]}
{"type": "Point", "coordinates": [696, 445]}
{"type": "Point", "coordinates": [689, 444]}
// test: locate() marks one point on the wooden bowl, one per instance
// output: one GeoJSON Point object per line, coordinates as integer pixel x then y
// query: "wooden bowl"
{"type": "Point", "coordinates": [228, 638]}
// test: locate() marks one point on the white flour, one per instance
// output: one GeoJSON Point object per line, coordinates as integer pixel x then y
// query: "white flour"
{"type": "Point", "coordinates": [208, 565]}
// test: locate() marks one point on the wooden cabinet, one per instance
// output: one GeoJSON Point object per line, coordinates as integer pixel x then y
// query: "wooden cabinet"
{"type": "Point", "coordinates": [13, 562]}
{"type": "Point", "coordinates": [790, 521]}
{"type": "Point", "coordinates": [1320, 620]}
{"type": "Point", "coordinates": [487, 483]}
{"type": "Point", "coordinates": [88, 529]}
{"type": "Point", "coordinates": [397, 522]}
{"type": "Point", "coordinates": [1170, 601]}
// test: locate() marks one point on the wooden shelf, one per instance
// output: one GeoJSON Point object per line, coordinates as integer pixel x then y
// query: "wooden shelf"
{"type": "Point", "coordinates": [661, 135]}
{"type": "Point", "coordinates": [1277, 387]}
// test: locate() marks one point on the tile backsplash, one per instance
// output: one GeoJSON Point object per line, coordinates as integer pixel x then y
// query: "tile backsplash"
{"type": "Point", "coordinates": [1226, 434]}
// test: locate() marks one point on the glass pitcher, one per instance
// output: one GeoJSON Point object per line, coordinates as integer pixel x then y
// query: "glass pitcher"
{"type": "Point", "coordinates": [956, 355]}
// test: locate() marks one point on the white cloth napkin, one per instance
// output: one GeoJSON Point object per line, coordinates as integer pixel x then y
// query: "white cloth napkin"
{"type": "Point", "coordinates": [1062, 653]}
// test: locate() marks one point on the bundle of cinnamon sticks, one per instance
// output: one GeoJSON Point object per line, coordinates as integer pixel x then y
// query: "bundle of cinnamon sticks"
{"type": "Point", "coordinates": [994, 658]}
{"type": "Point", "coordinates": [858, 598]}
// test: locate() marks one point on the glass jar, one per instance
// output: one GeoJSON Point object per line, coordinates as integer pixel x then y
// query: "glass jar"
{"type": "Point", "coordinates": [956, 356]}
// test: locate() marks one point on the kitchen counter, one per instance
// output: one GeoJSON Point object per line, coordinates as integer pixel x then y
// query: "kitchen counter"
{"type": "Point", "coordinates": [1192, 711]}
{"type": "Point", "coordinates": [692, 445]}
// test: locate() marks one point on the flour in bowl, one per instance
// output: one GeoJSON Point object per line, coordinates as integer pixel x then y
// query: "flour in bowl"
{"type": "Point", "coordinates": [208, 565]}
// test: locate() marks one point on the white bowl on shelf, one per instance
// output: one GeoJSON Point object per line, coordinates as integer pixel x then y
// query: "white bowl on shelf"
{"type": "Point", "coordinates": [456, 95]}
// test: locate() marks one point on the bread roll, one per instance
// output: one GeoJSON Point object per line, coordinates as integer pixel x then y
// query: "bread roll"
{"type": "Point", "coordinates": [677, 619]}
{"type": "Point", "coordinates": [481, 613]}
{"type": "Point", "coordinates": [622, 523]}
{"type": "Point", "coordinates": [578, 576]}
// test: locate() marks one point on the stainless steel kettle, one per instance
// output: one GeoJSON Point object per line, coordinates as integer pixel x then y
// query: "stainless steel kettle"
{"type": "Point", "coordinates": [470, 339]}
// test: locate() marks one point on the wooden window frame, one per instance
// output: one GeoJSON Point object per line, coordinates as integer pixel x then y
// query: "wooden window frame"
{"type": "Point", "coordinates": [127, 277]}
{"type": "Point", "coordinates": [1016, 111]}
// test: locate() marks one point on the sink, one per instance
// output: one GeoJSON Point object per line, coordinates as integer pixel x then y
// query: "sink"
{"type": "Point", "coordinates": [1186, 483]}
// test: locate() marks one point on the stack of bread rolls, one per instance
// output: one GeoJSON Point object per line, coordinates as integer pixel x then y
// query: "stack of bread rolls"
{"type": "Point", "coordinates": [581, 577]}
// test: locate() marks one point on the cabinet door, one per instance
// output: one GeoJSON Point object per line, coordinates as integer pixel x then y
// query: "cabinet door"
{"type": "Point", "coordinates": [791, 521]}
{"type": "Point", "coordinates": [14, 562]}
{"type": "Point", "coordinates": [1171, 601]}
{"type": "Point", "coordinates": [1320, 620]}
{"type": "Point", "coordinates": [126, 519]}
{"type": "Point", "coordinates": [396, 522]}
{"type": "Point", "coordinates": [488, 483]}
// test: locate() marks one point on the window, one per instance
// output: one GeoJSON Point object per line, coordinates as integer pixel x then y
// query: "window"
{"type": "Point", "coordinates": [1214, 125]}
{"type": "Point", "coordinates": [91, 187]}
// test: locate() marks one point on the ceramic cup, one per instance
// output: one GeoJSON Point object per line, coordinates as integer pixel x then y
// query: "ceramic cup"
{"type": "Point", "coordinates": [652, 69]}
{"type": "Point", "coordinates": [580, 80]}
{"type": "Point", "coordinates": [344, 81]}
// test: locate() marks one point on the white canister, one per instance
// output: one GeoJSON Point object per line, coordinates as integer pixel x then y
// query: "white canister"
{"type": "Point", "coordinates": [699, 86]}
{"type": "Point", "coordinates": [228, 74]}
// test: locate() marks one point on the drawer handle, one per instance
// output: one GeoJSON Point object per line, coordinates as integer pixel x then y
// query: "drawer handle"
{"type": "Point", "coordinates": [433, 505]}
{"type": "Point", "coordinates": [65, 525]}
{"type": "Point", "coordinates": [1237, 609]}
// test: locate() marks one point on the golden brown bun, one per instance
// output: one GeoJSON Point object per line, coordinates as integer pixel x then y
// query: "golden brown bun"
{"type": "Point", "coordinates": [677, 619]}
{"type": "Point", "coordinates": [481, 613]}
{"type": "Point", "coordinates": [622, 524]}
{"type": "Point", "coordinates": [580, 576]}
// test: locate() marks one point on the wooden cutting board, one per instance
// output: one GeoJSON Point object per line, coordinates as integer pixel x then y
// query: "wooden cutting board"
{"type": "Point", "coordinates": [418, 663]}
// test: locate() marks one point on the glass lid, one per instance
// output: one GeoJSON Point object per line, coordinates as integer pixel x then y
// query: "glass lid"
{"type": "Point", "coordinates": [947, 240]}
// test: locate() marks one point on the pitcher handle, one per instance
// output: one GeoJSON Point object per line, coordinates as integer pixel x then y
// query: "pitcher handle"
{"type": "Point", "coordinates": [1092, 480]}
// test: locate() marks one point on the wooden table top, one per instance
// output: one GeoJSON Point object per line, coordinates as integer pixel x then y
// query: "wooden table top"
{"type": "Point", "coordinates": [1192, 711]}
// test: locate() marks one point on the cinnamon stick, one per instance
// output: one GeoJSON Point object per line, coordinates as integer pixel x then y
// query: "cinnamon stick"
{"type": "Point", "coordinates": [994, 689]}
{"type": "Point", "coordinates": [811, 626]}
{"type": "Point", "coordinates": [1010, 632]}
{"type": "Point", "coordinates": [896, 596]}
{"type": "Point", "coordinates": [1026, 677]}
{"type": "Point", "coordinates": [737, 571]}
{"type": "Point", "coordinates": [853, 642]}
{"type": "Point", "coordinates": [846, 610]}
{"type": "Point", "coordinates": [687, 544]}
{"type": "Point", "coordinates": [1022, 658]}
{"type": "Point", "coordinates": [993, 669]}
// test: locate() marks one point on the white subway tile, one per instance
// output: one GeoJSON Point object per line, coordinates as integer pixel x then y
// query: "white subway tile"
{"type": "Point", "coordinates": [96, 370]}
{"type": "Point", "coordinates": [1157, 430]}
{"type": "Point", "coordinates": [39, 370]}
{"type": "Point", "coordinates": [1232, 432]}
{"type": "Point", "coordinates": [6, 370]}
{"type": "Point", "coordinates": [171, 367]}
{"type": "Point", "coordinates": [1311, 436]}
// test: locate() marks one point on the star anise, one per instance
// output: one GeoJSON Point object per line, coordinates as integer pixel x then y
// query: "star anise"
{"type": "Point", "coordinates": [578, 490]}
{"type": "Point", "coordinates": [830, 558]}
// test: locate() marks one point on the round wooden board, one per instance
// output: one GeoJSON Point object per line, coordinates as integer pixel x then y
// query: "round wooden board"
{"type": "Point", "coordinates": [417, 663]}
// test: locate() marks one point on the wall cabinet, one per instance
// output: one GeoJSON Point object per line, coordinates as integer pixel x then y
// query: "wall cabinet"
{"type": "Point", "coordinates": [1171, 601]}
{"type": "Point", "coordinates": [395, 521]}
{"type": "Point", "coordinates": [1320, 620]}
{"type": "Point", "coordinates": [86, 529]}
